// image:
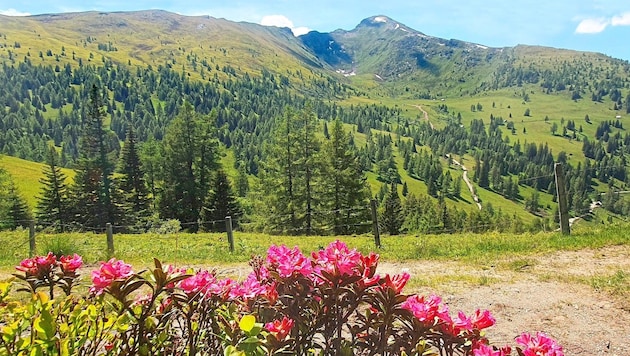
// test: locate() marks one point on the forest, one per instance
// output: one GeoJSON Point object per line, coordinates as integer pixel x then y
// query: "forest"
{"type": "Point", "coordinates": [146, 146]}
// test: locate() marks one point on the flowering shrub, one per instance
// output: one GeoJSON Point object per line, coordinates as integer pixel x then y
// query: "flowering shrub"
{"type": "Point", "coordinates": [329, 303]}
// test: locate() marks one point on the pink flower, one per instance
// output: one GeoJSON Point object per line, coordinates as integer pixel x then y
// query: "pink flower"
{"type": "Point", "coordinates": [69, 264]}
{"type": "Point", "coordinates": [287, 261]}
{"type": "Point", "coordinates": [280, 328]}
{"type": "Point", "coordinates": [249, 289]}
{"type": "Point", "coordinates": [369, 264]}
{"type": "Point", "coordinates": [198, 283]}
{"type": "Point", "coordinates": [338, 260]}
{"type": "Point", "coordinates": [397, 282]}
{"type": "Point", "coordinates": [485, 350]}
{"type": "Point", "coordinates": [28, 266]}
{"type": "Point", "coordinates": [459, 324]}
{"type": "Point", "coordinates": [108, 272]}
{"type": "Point", "coordinates": [540, 345]}
{"type": "Point", "coordinates": [482, 320]}
{"type": "Point", "coordinates": [222, 288]}
{"type": "Point", "coordinates": [39, 266]}
{"type": "Point", "coordinates": [429, 312]}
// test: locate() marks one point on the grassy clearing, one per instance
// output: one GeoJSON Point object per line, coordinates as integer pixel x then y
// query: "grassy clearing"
{"type": "Point", "coordinates": [209, 248]}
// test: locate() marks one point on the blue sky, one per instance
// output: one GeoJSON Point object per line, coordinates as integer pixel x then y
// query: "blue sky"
{"type": "Point", "coordinates": [589, 25]}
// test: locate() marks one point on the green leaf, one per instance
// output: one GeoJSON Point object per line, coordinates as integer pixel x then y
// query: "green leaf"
{"type": "Point", "coordinates": [247, 323]}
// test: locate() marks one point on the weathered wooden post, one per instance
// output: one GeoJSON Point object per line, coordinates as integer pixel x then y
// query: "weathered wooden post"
{"type": "Point", "coordinates": [31, 238]}
{"type": "Point", "coordinates": [562, 200]}
{"type": "Point", "coordinates": [377, 236]}
{"type": "Point", "coordinates": [110, 239]}
{"type": "Point", "coordinates": [228, 229]}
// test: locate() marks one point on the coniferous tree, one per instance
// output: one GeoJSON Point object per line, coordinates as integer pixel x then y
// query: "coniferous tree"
{"type": "Point", "coordinates": [190, 157]}
{"type": "Point", "coordinates": [19, 213]}
{"type": "Point", "coordinates": [242, 181]}
{"type": "Point", "coordinates": [345, 191]}
{"type": "Point", "coordinates": [91, 193]}
{"type": "Point", "coordinates": [132, 184]}
{"type": "Point", "coordinates": [391, 216]}
{"type": "Point", "coordinates": [221, 203]}
{"type": "Point", "coordinates": [52, 205]}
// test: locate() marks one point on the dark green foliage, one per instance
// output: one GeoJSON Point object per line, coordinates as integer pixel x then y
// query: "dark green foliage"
{"type": "Point", "coordinates": [18, 213]}
{"type": "Point", "coordinates": [220, 204]}
{"type": "Point", "coordinates": [190, 158]}
{"type": "Point", "coordinates": [132, 185]}
{"type": "Point", "coordinates": [391, 219]}
{"type": "Point", "coordinates": [344, 189]}
{"type": "Point", "coordinates": [52, 204]}
{"type": "Point", "coordinates": [93, 190]}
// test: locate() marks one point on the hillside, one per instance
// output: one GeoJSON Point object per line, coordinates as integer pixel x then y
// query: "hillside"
{"type": "Point", "coordinates": [510, 111]}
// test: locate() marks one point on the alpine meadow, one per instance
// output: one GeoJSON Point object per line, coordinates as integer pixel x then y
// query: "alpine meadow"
{"type": "Point", "coordinates": [159, 137]}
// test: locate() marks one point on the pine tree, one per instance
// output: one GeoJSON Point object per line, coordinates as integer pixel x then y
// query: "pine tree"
{"type": "Point", "coordinates": [290, 172]}
{"type": "Point", "coordinates": [344, 184]}
{"type": "Point", "coordinates": [190, 158]}
{"type": "Point", "coordinates": [242, 181]}
{"type": "Point", "coordinates": [132, 184]}
{"type": "Point", "coordinates": [221, 203]}
{"type": "Point", "coordinates": [391, 216]}
{"type": "Point", "coordinates": [52, 205]}
{"type": "Point", "coordinates": [19, 214]}
{"type": "Point", "coordinates": [91, 193]}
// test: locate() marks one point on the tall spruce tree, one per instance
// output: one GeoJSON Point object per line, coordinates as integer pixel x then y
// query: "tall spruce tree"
{"type": "Point", "coordinates": [19, 214]}
{"type": "Point", "coordinates": [132, 182]}
{"type": "Point", "coordinates": [221, 203]}
{"type": "Point", "coordinates": [290, 173]}
{"type": "Point", "coordinates": [391, 213]}
{"type": "Point", "coordinates": [345, 191]}
{"type": "Point", "coordinates": [190, 158]}
{"type": "Point", "coordinates": [52, 204]}
{"type": "Point", "coordinates": [92, 191]}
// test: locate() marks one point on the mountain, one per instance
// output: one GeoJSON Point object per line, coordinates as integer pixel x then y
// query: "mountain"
{"type": "Point", "coordinates": [512, 111]}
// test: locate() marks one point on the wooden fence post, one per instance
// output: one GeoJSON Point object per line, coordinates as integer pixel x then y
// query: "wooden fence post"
{"type": "Point", "coordinates": [110, 240]}
{"type": "Point", "coordinates": [563, 208]}
{"type": "Point", "coordinates": [31, 238]}
{"type": "Point", "coordinates": [228, 229]}
{"type": "Point", "coordinates": [377, 236]}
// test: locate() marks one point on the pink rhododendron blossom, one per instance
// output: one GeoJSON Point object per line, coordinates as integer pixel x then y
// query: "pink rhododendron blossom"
{"type": "Point", "coordinates": [429, 311]}
{"type": "Point", "coordinates": [222, 288]}
{"type": "Point", "coordinates": [287, 261]}
{"type": "Point", "coordinates": [482, 320]}
{"type": "Point", "coordinates": [108, 272]}
{"type": "Point", "coordinates": [337, 259]}
{"type": "Point", "coordinates": [369, 264]}
{"type": "Point", "coordinates": [539, 345]}
{"type": "Point", "coordinates": [28, 266]}
{"type": "Point", "coordinates": [397, 282]}
{"type": "Point", "coordinates": [458, 325]}
{"type": "Point", "coordinates": [485, 350]}
{"type": "Point", "coordinates": [39, 266]}
{"type": "Point", "coordinates": [69, 264]}
{"type": "Point", "coordinates": [198, 283]}
{"type": "Point", "coordinates": [249, 289]}
{"type": "Point", "coordinates": [280, 328]}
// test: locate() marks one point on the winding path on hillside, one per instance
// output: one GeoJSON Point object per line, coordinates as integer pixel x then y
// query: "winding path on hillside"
{"type": "Point", "coordinates": [467, 181]}
{"type": "Point", "coordinates": [464, 169]}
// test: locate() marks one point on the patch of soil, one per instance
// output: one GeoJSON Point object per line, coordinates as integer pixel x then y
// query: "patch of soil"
{"type": "Point", "coordinates": [549, 294]}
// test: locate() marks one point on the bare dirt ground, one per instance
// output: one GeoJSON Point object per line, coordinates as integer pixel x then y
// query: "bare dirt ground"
{"type": "Point", "coordinates": [549, 293]}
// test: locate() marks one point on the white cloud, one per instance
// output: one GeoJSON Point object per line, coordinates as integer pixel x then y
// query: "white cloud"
{"type": "Point", "coordinates": [621, 20]}
{"type": "Point", "coordinates": [588, 26]}
{"type": "Point", "coordinates": [599, 24]}
{"type": "Point", "coordinates": [13, 12]}
{"type": "Point", "coordinates": [283, 21]}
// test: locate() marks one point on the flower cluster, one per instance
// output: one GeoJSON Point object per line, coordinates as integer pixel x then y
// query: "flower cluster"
{"type": "Point", "coordinates": [109, 272]}
{"type": "Point", "coordinates": [48, 271]}
{"type": "Point", "coordinates": [291, 303]}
